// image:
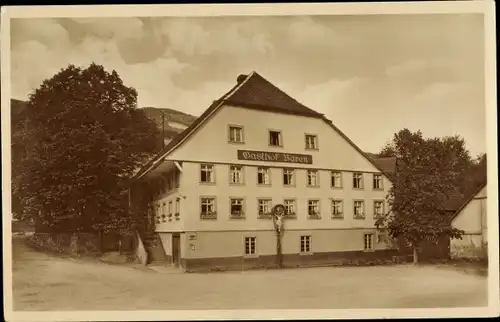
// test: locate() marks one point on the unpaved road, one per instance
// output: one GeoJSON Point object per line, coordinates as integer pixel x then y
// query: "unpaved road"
{"type": "Point", "coordinates": [45, 282]}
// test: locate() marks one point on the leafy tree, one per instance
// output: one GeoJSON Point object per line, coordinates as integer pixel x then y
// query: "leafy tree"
{"type": "Point", "coordinates": [388, 151]}
{"type": "Point", "coordinates": [84, 138]}
{"type": "Point", "coordinates": [427, 172]}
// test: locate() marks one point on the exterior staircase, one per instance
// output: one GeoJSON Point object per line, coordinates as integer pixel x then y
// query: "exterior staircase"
{"type": "Point", "coordinates": [154, 248]}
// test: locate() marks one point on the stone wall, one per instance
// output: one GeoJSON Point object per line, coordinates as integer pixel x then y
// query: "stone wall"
{"type": "Point", "coordinates": [68, 243]}
{"type": "Point", "coordinates": [470, 251]}
{"type": "Point", "coordinates": [354, 258]}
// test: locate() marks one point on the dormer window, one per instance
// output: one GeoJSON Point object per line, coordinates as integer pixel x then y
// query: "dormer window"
{"type": "Point", "coordinates": [275, 138]}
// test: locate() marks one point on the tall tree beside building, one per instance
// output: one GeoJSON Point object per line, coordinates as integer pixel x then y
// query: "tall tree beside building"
{"type": "Point", "coordinates": [428, 170]}
{"type": "Point", "coordinates": [84, 137]}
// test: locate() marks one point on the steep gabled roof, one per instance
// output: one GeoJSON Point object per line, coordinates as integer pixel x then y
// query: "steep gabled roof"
{"type": "Point", "coordinates": [471, 197]}
{"type": "Point", "coordinates": [255, 92]}
{"type": "Point", "coordinates": [258, 93]}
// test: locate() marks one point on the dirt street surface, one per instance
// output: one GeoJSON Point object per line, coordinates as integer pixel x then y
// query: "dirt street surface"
{"type": "Point", "coordinates": [45, 282]}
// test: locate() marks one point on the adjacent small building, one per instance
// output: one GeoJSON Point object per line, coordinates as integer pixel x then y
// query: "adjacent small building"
{"type": "Point", "coordinates": [211, 190]}
{"type": "Point", "coordinates": [471, 217]}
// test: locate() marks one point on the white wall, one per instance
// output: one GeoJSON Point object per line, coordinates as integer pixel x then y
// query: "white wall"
{"type": "Point", "coordinates": [193, 191]}
{"type": "Point", "coordinates": [472, 220]}
{"type": "Point", "coordinates": [210, 142]}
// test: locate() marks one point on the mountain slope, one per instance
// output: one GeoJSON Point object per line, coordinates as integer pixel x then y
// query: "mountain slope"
{"type": "Point", "coordinates": [175, 121]}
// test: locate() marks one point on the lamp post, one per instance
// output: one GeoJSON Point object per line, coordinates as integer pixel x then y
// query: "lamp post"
{"type": "Point", "coordinates": [278, 213]}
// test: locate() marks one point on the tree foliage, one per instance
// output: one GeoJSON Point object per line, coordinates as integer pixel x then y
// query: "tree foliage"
{"type": "Point", "coordinates": [84, 138]}
{"type": "Point", "coordinates": [428, 172]}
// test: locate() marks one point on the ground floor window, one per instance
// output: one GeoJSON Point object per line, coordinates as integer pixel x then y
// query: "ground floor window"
{"type": "Point", "coordinates": [368, 241]}
{"type": "Point", "coordinates": [250, 243]}
{"type": "Point", "coordinates": [305, 244]}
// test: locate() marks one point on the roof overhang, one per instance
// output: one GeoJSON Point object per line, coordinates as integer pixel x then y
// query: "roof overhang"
{"type": "Point", "coordinates": [158, 168]}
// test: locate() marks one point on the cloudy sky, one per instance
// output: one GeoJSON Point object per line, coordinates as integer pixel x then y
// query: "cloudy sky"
{"type": "Point", "coordinates": [371, 75]}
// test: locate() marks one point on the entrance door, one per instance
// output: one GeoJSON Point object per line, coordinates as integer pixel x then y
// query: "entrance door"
{"type": "Point", "coordinates": [176, 249]}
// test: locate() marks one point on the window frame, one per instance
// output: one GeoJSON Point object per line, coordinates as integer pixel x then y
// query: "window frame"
{"type": "Point", "coordinates": [212, 172]}
{"type": "Point", "coordinates": [250, 239]}
{"type": "Point", "coordinates": [315, 147]}
{"type": "Point", "coordinates": [294, 213]}
{"type": "Point", "coordinates": [293, 176]}
{"type": "Point", "coordinates": [363, 208]}
{"type": "Point", "coordinates": [371, 242]}
{"type": "Point", "coordinates": [381, 187]}
{"type": "Point", "coordinates": [375, 201]}
{"type": "Point", "coordinates": [318, 203]}
{"type": "Point", "coordinates": [240, 216]}
{"type": "Point", "coordinates": [270, 206]}
{"type": "Point", "coordinates": [242, 136]}
{"type": "Point", "coordinates": [280, 138]}
{"type": "Point", "coordinates": [268, 170]}
{"type": "Point", "coordinates": [242, 175]}
{"type": "Point", "coordinates": [308, 171]}
{"type": "Point", "coordinates": [332, 172]}
{"type": "Point", "coordinates": [305, 244]}
{"type": "Point", "coordinates": [214, 206]}
{"type": "Point", "coordinates": [362, 184]}
{"type": "Point", "coordinates": [341, 214]}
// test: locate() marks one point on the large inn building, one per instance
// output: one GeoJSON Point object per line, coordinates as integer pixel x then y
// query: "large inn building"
{"type": "Point", "coordinates": [212, 188]}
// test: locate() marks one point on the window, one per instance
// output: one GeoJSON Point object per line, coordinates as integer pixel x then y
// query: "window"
{"type": "Point", "coordinates": [290, 207]}
{"type": "Point", "coordinates": [358, 209]}
{"type": "Point", "coordinates": [305, 244]}
{"type": "Point", "coordinates": [250, 243]}
{"type": "Point", "coordinates": [337, 211]}
{"type": "Point", "coordinates": [311, 142]}
{"type": "Point", "coordinates": [368, 241]}
{"type": "Point", "coordinates": [377, 181]}
{"type": "Point", "coordinates": [336, 179]}
{"type": "Point", "coordinates": [207, 173]}
{"type": "Point", "coordinates": [378, 208]}
{"type": "Point", "coordinates": [237, 207]}
{"type": "Point", "coordinates": [236, 134]}
{"type": "Point", "coordinates": [208, 208]}
{"type": "Point", "coordinates": [313, 209]}
{"type": "Point", "coordinates": [357, 180]}
{"type": "Point", "coordinates": [312, 178]}
{"type": "Point", "coordinates": [236, 174]}
{"type": "Point", "coordinates": [263, 176]}
{"type": "Point", "coordinates": [275, 138]}
{"type": "Point", "coordinates": [288, 177]}
{"type": "Point", "coordinates": [264, 207]}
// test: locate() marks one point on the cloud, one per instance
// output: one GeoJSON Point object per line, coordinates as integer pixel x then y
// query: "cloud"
{"type": "Point", "coordinates": [116, 28]}
{"type": "Point", "coordinates": [405, 68]}
{"type": "Point", "coordinates": [330, 96]}
{"type": "Point", "coordinates": [237, 38]}
{"type": "Point", "coordinates": [371, 75]}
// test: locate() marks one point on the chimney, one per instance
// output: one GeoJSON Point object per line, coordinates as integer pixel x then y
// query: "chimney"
{"type": "Point", "coordinates": [241, 78]}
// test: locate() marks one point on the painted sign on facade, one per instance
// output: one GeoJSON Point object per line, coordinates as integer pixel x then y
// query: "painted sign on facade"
{"type": "Point", "coordinates": [274, 157]}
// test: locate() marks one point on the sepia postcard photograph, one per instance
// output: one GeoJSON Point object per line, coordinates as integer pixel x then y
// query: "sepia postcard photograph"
{"type": "Point", "coordinates": [244, 161]}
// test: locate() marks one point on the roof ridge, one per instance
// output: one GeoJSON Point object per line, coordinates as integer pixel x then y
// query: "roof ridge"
{"type": "Point", "coordinates": [469, 199]}
{"type": "Point", "coordinates": [255, 92]}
